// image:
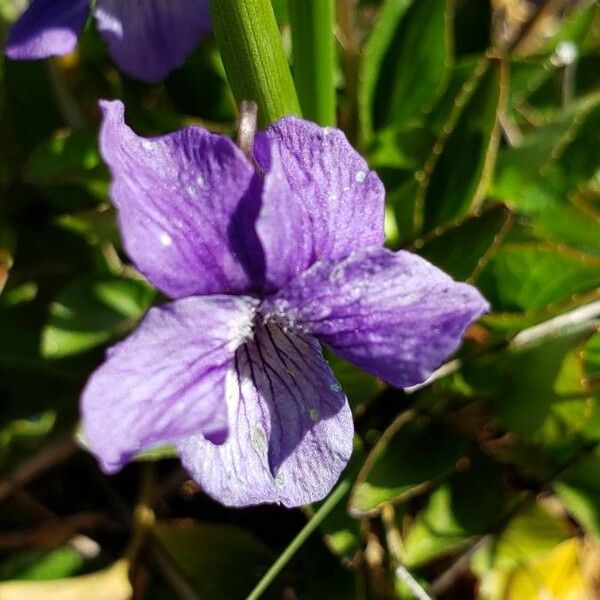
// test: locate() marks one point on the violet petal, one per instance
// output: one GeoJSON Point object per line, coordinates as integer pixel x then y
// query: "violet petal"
{"type": "Point", "coordinates": [187, 205]}
{"type": "Point", "coordinates": [47, 28]}
{"type": "Point", "coordinates": [392, 313]}
{"type": "Point", "coordinates": [320, 200]}
{"type": "Point", "coordinates": [167, 379]}
{"type": "Point", "coordinates": [290, 426]}
{"type": "Point", "coordinates": [149, 38]}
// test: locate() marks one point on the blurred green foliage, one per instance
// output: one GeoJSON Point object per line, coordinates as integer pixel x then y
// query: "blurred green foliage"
{"type": "Point", "coordinates": [483, 120]}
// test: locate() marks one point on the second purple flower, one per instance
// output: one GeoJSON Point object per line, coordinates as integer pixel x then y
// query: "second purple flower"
{"type": "Point", "coordinates": [263, 266]}
{"type": "Point", "coordinates": [146, 38]}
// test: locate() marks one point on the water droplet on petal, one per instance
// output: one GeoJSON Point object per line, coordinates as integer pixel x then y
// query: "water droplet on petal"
{"type": "Point", "coordinates": [360, 176]}
{"type": "Point", "coordinates": [165, 239]}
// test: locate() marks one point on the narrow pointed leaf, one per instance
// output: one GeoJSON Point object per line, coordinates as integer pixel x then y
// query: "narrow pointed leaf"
{"type": "Point", "coordinates": [91, 311]}
{"type": "Point", "coordinates": [485, 231]}
{"type": "Point", "coordinates": [455, 181]}
{"type": "Point", "coordinates": [406, 63]}
{"type": "Point", "coordinates": [407, 459]}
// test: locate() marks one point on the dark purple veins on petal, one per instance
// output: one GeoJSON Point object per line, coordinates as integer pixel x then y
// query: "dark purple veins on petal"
{"type": "Point", "coordinates": [290, 426]}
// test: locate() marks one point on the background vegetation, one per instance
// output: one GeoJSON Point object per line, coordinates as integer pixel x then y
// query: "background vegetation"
{"type": "Point", "coordinates": [483, 120]}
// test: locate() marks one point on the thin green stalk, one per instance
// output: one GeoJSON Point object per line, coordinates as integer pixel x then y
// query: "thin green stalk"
{"type": "Point", "coordinates": [313, 42]}
{"type": "Point", "coordinates": [253, 56]}
{"type": "Point", "coordinates": [143, 514]}
{"type": "Point", "coordinates": [340, 491]}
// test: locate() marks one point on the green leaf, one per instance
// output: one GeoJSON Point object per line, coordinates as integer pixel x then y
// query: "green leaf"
{"type": "Point", "coordinates": [455, 176]}
{"type": "Point", "coordinates": [223, 561]}
{"type": "Point", "coordinates": [468, 505]}
{"type": "Point", "coordinates": [19, 437]}
{"type": "Point", "coordinates": [67, 157]}
{"type": "Point", "coordinates": [96, 225]}
{"type": "Point", "coordinates": [314, 58]}
{"type": "Point", "coordinates": [200, 87]}
{"type": "Point", "coordinates": [549, 176]}
{"type": "Point", "coordinates": [579, 491]}
{"type": "Point", "coordinates": [406, 63]}
{"type": "Point", "coordinates": [68, 170]}
{"type": "Point", "coordinates": [157, 453]}
{"type": "Point", "coordinates": [463, 248]}
{"type": "Point", "coordinates": [577, 29]}
{"type": "Point", "coordinates": [554, 155]}
{"type": "Point", "coordinates": [559, 574]}
{"type": "Point", "coordinates": [410, 456]}
{"type": "Point", "coordinates": [527, 387]}
{"type": "Point", "coordinates": [42, 566]}
{"type": "Point", "coordinates": [112, 582]}
{"type": "Point", "coordinates": [531, 534]}
{"type": "Point", "coordinates": [532, 558]}
{"type": "Point", "coordinates": [526, 276]}
{"type": "Point", "coordinates": [90, 311]}
{"type": "Point", "coordinates": [591, 358]}
{"type": "Point", "coordinates": [551, 151]}
{"type": "Point", "coordinates": [537, 82]}
{"type": "Point", "coordinates": [280, 8]}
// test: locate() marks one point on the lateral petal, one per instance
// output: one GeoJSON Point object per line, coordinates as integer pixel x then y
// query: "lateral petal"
{"type": "Point", "coordinates": [167, 379]}
{"type": "Point", "coordinates": [392, 313]}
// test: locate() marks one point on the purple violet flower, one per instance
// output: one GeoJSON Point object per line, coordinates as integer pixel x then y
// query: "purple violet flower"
{"type": "Point", "coordinates": [147, 39]}
{"type": "Point", "coordinates": [263, 263]}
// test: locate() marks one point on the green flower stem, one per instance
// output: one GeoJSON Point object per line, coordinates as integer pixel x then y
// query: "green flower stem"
{"type": "Point", "coordinates": [312, 23]}
{"type": "Point", "coordinates": [332, 501]}
{"type": "Point", "coordinates": [254, 58]}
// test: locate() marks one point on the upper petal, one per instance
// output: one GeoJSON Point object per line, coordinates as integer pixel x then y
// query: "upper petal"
{"type": "Point", "coordinates": [149, 38]}
{"type": "Point", "coordinates": [47, 28]}
{"type": "Point", "coordinates": [392, 313]}
{"type": "Point", "coordinates": [167, 379]}
{"type": "Point", "coordinates": [320, 200]}
{"type": "Point", "coordinates": [187, 206]}
{"type": "Point", "coordinates": [290, 426]}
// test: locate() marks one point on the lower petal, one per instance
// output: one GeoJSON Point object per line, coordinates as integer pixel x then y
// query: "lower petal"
{"type": "Point", "coordinates": [47, 28]}
{"type": "Point", "coordinates": [149, 38]}
{"type": "Point", "coordinates": [290, 426]}
{"type": "Point", "coordinates": [166, 380]}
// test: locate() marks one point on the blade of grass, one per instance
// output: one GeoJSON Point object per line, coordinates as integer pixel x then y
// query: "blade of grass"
{"type": "Point", "coordinates": [335, 497]}
{"type": "Point", "coordinates": [313, 41]}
